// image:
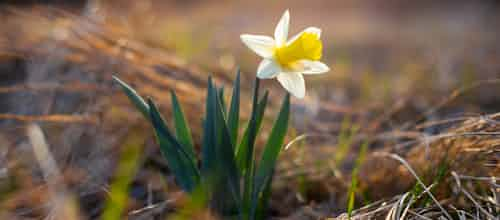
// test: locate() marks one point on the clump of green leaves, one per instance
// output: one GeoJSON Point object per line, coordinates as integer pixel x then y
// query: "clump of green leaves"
{"type": "Point", "coordinates": [228, 173]}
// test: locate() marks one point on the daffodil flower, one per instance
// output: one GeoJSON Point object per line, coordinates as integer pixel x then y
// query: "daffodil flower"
{"type": "Point", "coordinates": [288, 60]}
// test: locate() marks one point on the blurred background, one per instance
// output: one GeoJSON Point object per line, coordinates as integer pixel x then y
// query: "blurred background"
{"type": "Point", "coordinates": [395, 66]}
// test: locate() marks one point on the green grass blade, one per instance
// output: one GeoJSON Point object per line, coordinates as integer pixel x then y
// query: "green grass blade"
{"type": "Point", "coordinates": [242, 149]}
{"type": "Point", "coordinates": [178, 160]}
{"type": "Point", "coordinates": [272, 149]}
{"type": "Point", "coordinates": [234, 111]}
{"type": "Point", "coordinates": [351, 195]}
{"type": "Point", "coordinates": [135, 98]}
{"type": "Point", "coordinates": [348, 130]}
{"type": "Point", "coordinates": [354, 178]}
{"type": "Point", "coordinates": [127, 167]}
{"type": "Point", "coordinates": [182, 129]}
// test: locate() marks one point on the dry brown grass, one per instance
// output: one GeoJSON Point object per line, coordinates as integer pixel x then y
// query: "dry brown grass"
{"type": "Point", "coordinates": [68, 57]}
{"type": "Point", "coordinates": [58, 57]}
{"type": "Point", "coordinates": [467, 154]}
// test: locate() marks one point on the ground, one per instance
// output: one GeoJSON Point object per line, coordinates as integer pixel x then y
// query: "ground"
{"type": "Point", "coordinates": [416, 83]}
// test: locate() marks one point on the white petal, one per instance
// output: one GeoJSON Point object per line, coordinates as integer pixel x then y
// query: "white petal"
{"type": "Point", "coordinates": [311, 67]}
{"type": "Point", "coordinates": [293, 83]}
{"type": "Point", "coordinates": [281, 31]}
{"type": "Point", "coordinates": [313, 30]}
{"type": "Point", "coordinates": [268, 68]}
{"type": "Point", "coordinates": [261, 45]}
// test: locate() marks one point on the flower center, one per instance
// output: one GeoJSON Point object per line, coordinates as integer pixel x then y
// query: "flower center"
{"type": "Point", "coordinates": [307, 46]}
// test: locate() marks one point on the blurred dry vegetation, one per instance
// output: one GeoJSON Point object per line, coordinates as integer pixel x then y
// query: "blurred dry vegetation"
{"type": "Point", "coordinates": [420, 80]}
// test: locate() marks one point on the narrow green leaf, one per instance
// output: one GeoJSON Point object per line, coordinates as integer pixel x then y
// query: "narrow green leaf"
{"type": "Point", "coordinates": [135, 98]}
{"type": "Point", "coordinates": [183, 168]}
{"type": "Point", "coordinates": [263, 198]}
{"type": "Point", "coordinates": [229, 182]}
{"type": "Point", "coordinates": [272, 149]}
{"type": "Point", "coordinates": [242, 149]}
{"type": "Point", "coordinates": [234, 111]}
{"type": "Point", "coordinates": [208, 150]}
{"type": "Point", "coordinates": [248, 160]}
{"type": "Point", "coordinates": [220, 96]}
{"type": "Point", "coordinates": [182, 130]}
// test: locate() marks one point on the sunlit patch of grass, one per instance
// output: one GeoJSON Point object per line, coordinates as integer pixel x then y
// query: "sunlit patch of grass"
{"type": "Point", "coordinates": [184, 39]}
{"type": "Point", "coordinates": [187, 43]}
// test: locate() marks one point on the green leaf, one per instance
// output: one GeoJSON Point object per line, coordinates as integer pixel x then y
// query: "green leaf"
{"type": "Point", "coordinates": [263, 199]}
{"type": "Point", "coordinates": [208, 157]}
{"type": "Point", "coordinates": [234, 111]}
{"type": "Point", "coordinates": [247, 157]}
{"type": "Point", "coordinates": [229, 181]}
{"type": "Point", "coordinates": [178, 160]}
{"type": "Point", "coordinates": [182, 130]}
{"type": "Point", "coordinates": [273, 148]}
{"type": "Point", "coordinates": [135, 98]}
{"type": "Point", "coordinates": [220, 173]}
{"type": "Point", "coordinates": [243, 147]}
{"type": "Point", "coordinates": [220, 96]}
